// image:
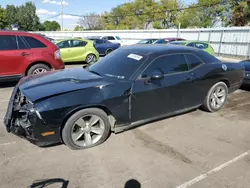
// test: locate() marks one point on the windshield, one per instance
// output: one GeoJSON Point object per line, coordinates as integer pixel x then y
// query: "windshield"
{"type": "Point", "coordinates": [144, 41]}
{"type": "Point", "coordinates": [178, 43]}
{"type": "Point", "coordinates": [120, 64]}
{"type": "Point", "coordinates": [118, 38]}
{"type": "Point", "coordinates": [161, 41]}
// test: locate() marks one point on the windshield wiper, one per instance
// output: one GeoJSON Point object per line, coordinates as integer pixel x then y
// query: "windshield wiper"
{"type": "Point", "coordinates": [95, 72]}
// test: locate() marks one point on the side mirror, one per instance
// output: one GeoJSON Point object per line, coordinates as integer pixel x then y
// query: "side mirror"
{"type": "Point", "coordinates": [156, 75]}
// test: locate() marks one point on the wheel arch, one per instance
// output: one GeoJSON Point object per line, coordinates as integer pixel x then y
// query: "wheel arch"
{"type": "Point", "coordinates": [108, 50]}
{"type": "Point", "coordinates": [226, 82]}
{"type": "Point", "coordinates": [111, 118]}
{"type": "Point", "coordinates": [35, 63]}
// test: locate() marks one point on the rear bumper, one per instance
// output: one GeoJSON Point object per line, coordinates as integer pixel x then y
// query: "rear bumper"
{"type": "Point", "coordinates": [59, 64]}
{"type": "Point", "coordinates": [235, 86]}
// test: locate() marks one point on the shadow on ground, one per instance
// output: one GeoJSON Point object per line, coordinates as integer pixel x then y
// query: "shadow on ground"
{"type": "Point", "coordinates": [132, 184]}
{"type": "Point", "coordinates": [48, 182]}
{"type": "Point", "coordinates": [7, 84]}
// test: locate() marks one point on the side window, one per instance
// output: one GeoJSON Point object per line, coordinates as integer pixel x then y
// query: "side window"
{"type": "Point", "coordinates": [106, 38]}
{"type": "Point", "coordinates": [111, 38]}
{"type": "Point", "coordinates": [190, 44]}
{"type": "Point", "coordinates": [8, 42]}
{"type": "Point", "coordinates": [77, 43]}
{"type": "Point", "coordinates": [168, 64]}
{"type": "Point", "coordinates": [21, 44]}
{"type": "Point", "coordinates": [201, 45]}
{"type": "Point", "coordinates": [64, 44]}
{"type": "Point", "coordinates": [98, 41]}
{"type": "Point", "coordinates": [193, 61]}
{"type": "Point", "coordinates": [34, 43]}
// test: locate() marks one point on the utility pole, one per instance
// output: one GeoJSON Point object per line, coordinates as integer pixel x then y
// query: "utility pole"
{"type": "Point", "coordinates": [61, 15]}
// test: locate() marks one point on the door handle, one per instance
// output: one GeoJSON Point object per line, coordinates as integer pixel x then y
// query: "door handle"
{"type": "Point", "coordinates": [25, 54]}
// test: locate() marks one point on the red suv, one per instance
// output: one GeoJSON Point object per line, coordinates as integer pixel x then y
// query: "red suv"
{"type": "Point", "coordinates": [23, 53]}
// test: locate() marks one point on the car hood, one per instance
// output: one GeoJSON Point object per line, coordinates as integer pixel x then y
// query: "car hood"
{"type": "Point", "coordinates": [57, 82]}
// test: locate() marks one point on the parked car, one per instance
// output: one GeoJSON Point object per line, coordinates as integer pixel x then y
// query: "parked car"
{"type": "Point", "coordinates": [167, 40]}
{"type": "Point", "coordinates": [246, 64]}
{"type": "Point", "coordinates": [23, 53]}
{"type": "Point", "coordinates": [77, 50]}
{"type": "Point", "coordinates": [147, 41]}
{"type": "Point", "coordinates": [114, 39]}
{"type": "Point", "coordinates": [80, 107]}
{"type": "Point", "coordinates": [103, 46]}
{"type": "Point", "coordinates": [196, 44]}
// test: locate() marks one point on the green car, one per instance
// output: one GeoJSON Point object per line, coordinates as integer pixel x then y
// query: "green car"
{"type": "Point", "coordinates": [77, 50]}
{"type": "Point", "coordinates": [197, 44]}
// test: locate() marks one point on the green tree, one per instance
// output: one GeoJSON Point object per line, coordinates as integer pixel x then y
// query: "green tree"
{"type": "Point", "coordinates": [27, 19]}
{"type": "Point", "coordinates": [240, 13]}
{"type": "Point", "coordinates": [11, 11]}
{"type": "Point", "coordinates": [3, 18]}
{"type": "Point", "coordinates": [51, 26]}
{"type": "Point", "coordinates": [78, 28]}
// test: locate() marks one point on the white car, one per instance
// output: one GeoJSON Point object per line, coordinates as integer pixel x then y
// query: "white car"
{"type": "Point", "coordinates": [114, 39]}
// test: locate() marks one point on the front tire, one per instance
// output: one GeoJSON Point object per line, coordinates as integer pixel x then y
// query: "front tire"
{"type": "Point", "coordinates": [216, 97]}
{"type": "Point", "coordinates": [86, 128]}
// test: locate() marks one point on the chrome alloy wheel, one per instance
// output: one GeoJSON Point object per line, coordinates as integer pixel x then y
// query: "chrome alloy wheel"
{"type": "Point", "coordinates": [39, 71]}
{"type": "Point", "coordinates": [87, 130]}
{"type": "Point", "coordinates": [91, 58]}
{"type": "Point", "coordinates": [218, 97]}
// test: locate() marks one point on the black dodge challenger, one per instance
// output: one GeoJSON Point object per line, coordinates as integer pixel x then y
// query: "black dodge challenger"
{"type": "Point", "coordinates": [129, 87]}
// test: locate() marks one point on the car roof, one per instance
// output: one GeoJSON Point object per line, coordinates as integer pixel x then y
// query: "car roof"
{"type": "Point", "coordinates": [61, 40]}
{"type": "Point", "coordinates": [158, 49]}
{"type": "Point", "coordinates": [188, 41]}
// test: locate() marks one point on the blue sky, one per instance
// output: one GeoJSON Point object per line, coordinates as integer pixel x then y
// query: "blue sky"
{"type": "Point", "coordinates": [49, 8]}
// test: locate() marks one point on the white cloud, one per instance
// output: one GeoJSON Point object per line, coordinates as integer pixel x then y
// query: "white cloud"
{"type": "Point", "coordinates": [45, 12]}
{"type": "Point", "coordinates": [55, 2]}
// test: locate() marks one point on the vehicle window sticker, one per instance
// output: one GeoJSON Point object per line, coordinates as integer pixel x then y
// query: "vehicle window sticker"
{"type": "Point", "coordinates": [135, 57]}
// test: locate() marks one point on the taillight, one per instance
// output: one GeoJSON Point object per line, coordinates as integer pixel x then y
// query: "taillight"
{"type": "Point", "coordinates": [57, 54]}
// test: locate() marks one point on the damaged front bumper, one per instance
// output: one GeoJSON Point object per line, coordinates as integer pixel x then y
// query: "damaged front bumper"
{"type": "Point", "coordinates": [23, 120]}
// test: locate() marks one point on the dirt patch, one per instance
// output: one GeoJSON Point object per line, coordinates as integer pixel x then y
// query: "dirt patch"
{"type": "Point", "coordinates": [159, 147]}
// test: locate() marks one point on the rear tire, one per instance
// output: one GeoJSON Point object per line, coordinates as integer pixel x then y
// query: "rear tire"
{"type": "Point", "coordinates": [90, 59]}
{"type": "Point", "coordinates": [216, 97]}
{"type": "Point", "coordinates": [38, 69]}
{"type": "Point", "coordinates": [86, 128]}
{"type": "Point", "coordinates": [108, 51]}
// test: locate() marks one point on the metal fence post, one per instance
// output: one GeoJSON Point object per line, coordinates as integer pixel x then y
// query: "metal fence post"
{"type": "Point", "coordinates": [209, 35]}
{"type": "Point", "coordinates": [199, 35]}
{"type": "Point", "coordinates": [248, 47]}
{"type": "Point", "coordinates": [221, 38]}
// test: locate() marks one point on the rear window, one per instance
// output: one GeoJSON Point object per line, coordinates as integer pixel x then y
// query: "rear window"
{"type": "Point", "coordinates": [206, 57]}
{"type": "Point", "coordinates": [8, 42]}
{"type": "Point", "coordinates": [34, 43]}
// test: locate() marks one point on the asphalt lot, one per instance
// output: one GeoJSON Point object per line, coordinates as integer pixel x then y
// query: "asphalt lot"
{"type": "Point", "coordinates": [199, 149]}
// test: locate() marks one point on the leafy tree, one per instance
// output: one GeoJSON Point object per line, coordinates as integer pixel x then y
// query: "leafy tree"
{"type": "Point", "coordinates": [51, 26]}
{"type": "Point", "coordinates": [3, 18]}
{"type": "Point", "coordinates": [27, 19]}
{"type": "Point", "coordinates": [11, 11]}
{"type": "Point", "coordinates": [240, 13]}
{"type": "Point", "coordinates": [78, 28]}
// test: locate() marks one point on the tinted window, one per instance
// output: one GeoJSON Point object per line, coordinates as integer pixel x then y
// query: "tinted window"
{"type": "Point", "coordinates": [190, 44]}
{"type": "Point", "coordinates": [118, 38]}
{"type": "Point", "coordinates": [77, 43]}
{"type": "Point", "coordinates": [168, 64]}
{"type": "Point", "coordinates": [8, 42]}
{"type": "Point", "coordinates": [98, 41]}
{"type": "Point", "coordinates": [193, 61]}
{"type": "Point", "coordinates": [201, 45]}
{"type": "Point", "coordinates": [206, 57]}
{"type": "Point", "coordinates": [64, 44]}
{"type": "Point", "coordinates": [161, 41]}
{"type": "Point", "coordinates": [111, 38]}
{"type": "Point", "coordinates": [21, 44]}
{"type": "Point", "coordinates": [34, 43]}
{"type": "Point", "coordinates": [124, 63]}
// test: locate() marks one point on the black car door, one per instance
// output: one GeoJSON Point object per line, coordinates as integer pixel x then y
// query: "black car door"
{"type": "Point", "coordinates": [201, 83]}
{"type": "Point", "coordinates": [152, 98]}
